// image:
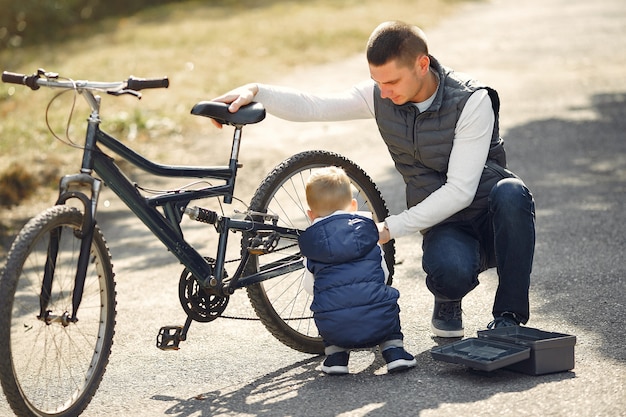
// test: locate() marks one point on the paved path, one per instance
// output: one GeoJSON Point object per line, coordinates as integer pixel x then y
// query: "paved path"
{"type": "Point", "coordinates": [560, 68]}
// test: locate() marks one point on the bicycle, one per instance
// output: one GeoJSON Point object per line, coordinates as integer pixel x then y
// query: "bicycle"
{"type": "Point", "coordinates": [52, 359]}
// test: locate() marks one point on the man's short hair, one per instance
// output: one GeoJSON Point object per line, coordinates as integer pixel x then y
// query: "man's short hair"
{"type": "Point", "coordinates": [397, 41]}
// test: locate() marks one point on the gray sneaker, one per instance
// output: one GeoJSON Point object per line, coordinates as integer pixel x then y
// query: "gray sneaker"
{"type": "Point", "coordinates": [447, 320]}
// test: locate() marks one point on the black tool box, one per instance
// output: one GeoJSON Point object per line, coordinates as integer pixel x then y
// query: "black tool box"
{"type": "Point", "coordinates": [521, 349]}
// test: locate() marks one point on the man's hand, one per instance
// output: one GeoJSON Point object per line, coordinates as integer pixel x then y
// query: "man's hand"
{"type": "Point", "coordinates": [383, 233]}
{"type": "Point", "coordinates": [238, 97]}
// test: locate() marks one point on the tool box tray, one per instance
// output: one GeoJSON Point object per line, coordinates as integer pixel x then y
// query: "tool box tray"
{"type": "Point", "coordinates": [481, 354]}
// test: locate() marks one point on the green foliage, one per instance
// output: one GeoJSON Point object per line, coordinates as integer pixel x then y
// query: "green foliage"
{"type": "Point", "coordinates": [28, 22]}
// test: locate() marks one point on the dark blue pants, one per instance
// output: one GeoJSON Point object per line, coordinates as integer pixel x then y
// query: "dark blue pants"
{"type": "Point", "coordinates": [504, 236]}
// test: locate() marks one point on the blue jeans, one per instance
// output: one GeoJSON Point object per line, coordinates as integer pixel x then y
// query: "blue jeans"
{"type": "Point", "coordinates": [504, 236]}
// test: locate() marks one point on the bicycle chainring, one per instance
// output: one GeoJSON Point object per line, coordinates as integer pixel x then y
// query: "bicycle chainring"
{"type": "Point", "coordinates": [197, 303]}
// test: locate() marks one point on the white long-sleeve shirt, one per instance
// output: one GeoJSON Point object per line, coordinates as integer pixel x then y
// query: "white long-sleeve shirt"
{"type": "Point", "coordinates": [467, 158]}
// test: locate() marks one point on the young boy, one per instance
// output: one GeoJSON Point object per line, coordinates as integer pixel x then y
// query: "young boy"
{"type": "Point", "coordinates": [352, 305]}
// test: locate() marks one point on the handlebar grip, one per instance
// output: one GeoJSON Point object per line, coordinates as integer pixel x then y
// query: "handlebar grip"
{"type": "Point", "coordinates": [143, 83]}
{"type": "Point", "coordinates": [14, 78]}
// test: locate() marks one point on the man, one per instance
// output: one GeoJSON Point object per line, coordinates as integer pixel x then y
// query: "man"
{"type": "Point", "coordinates": [441, 129]}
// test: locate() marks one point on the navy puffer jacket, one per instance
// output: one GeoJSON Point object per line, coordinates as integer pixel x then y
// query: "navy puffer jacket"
{"type": "Point", "coordinates": [352, 306]}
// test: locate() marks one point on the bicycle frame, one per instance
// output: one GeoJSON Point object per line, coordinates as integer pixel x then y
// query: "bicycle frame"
{"type": "Point", "coordinates": [166, 226]}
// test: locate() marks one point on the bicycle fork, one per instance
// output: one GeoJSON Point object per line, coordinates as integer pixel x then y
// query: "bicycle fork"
{"type": "Point", "coordinates": [85, 234]}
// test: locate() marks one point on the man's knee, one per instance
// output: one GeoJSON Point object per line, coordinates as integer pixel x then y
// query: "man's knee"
{"type": "Point", "coordinates": [510, 194]}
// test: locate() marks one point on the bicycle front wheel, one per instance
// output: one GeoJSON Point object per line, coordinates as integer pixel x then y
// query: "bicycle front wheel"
{"type": "Point", "coordinates": [52, 366]}
{"type": "Point", "coordinates": [281, 303]}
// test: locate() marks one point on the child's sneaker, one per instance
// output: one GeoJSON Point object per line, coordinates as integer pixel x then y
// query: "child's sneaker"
{"type": "Point", "coordinates": [336, 364]}
{"type": "Point", "coordinates": [398, 359]}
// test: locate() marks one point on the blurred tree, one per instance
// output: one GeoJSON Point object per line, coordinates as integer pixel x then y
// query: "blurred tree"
{"type": "Point", "coordinates": [28, 22]}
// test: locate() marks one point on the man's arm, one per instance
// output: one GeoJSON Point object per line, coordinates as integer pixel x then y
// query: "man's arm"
{"type": "Point", "coordinates": [299, 106]}
{"type": "Point", "coordinates": [467, 160]}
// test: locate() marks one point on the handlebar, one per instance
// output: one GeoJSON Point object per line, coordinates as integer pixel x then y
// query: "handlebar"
{"type": "Point", "coordinates": [48, 79]}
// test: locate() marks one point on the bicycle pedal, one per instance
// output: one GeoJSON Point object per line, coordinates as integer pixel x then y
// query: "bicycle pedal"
{"type": "Point", "coordinates": [169, 337]}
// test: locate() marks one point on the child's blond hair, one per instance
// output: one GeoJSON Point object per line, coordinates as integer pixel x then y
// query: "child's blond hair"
{"type": "Point", "coordinates": [328, 190]}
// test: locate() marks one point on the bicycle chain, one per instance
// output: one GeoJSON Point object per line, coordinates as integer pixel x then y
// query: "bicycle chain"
{"type": "Point", "coordinates": [222, 316]}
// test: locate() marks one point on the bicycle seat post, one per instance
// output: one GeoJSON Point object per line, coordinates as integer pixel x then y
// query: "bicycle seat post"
{"type": "Point", "coordinates": [237, 134]}
{"type": "Point", "coordinates": [234, 161]}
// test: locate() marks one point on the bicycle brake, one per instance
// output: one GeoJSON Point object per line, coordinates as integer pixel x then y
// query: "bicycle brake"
{"type": "Point", "coordinates": [47, 74]}
{"type": "Point", "coordinates": [125, 91]}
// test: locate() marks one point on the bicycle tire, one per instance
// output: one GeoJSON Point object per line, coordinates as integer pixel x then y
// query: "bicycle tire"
{"type": "Point", "coordinates": [281, 303]}
{"type": "Point", "coordinates": [54, 369]}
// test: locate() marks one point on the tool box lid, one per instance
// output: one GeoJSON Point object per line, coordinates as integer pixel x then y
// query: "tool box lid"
{"type": "Point", "coordinates": [527, 336]}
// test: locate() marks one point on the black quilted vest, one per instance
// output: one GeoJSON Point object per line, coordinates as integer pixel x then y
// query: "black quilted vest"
{"type": "Point", "coordinates": [420, 143]}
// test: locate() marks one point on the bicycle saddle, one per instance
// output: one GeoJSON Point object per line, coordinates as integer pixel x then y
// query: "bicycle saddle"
{"type": "Point", "coordinates": [248, 114]}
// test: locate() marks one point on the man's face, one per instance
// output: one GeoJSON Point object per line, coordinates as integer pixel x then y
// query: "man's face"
{"type": "Point", "coordinates": [399, 83]}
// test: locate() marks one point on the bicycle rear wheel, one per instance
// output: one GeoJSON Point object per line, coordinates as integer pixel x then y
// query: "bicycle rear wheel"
{"type": "Point", "coordinates": [54, 367]}
{"type": "Point", "coordinates": [281, 303]}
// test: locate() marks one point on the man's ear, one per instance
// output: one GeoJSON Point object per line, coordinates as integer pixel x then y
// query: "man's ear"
{"type": "Point", "coordinates": [310, 214]}
{"type": "Point", "coordinates": [422, 63]}
{"type": "Point", "coordinates": [354, 205]}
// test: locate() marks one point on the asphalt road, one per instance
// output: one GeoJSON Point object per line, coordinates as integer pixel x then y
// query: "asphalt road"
{"type": "Point", "coordinates": [560, 68]}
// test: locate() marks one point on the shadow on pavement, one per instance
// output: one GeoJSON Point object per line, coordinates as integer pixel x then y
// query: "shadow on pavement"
{"type": "Point", "coordinates": [302, 387]}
